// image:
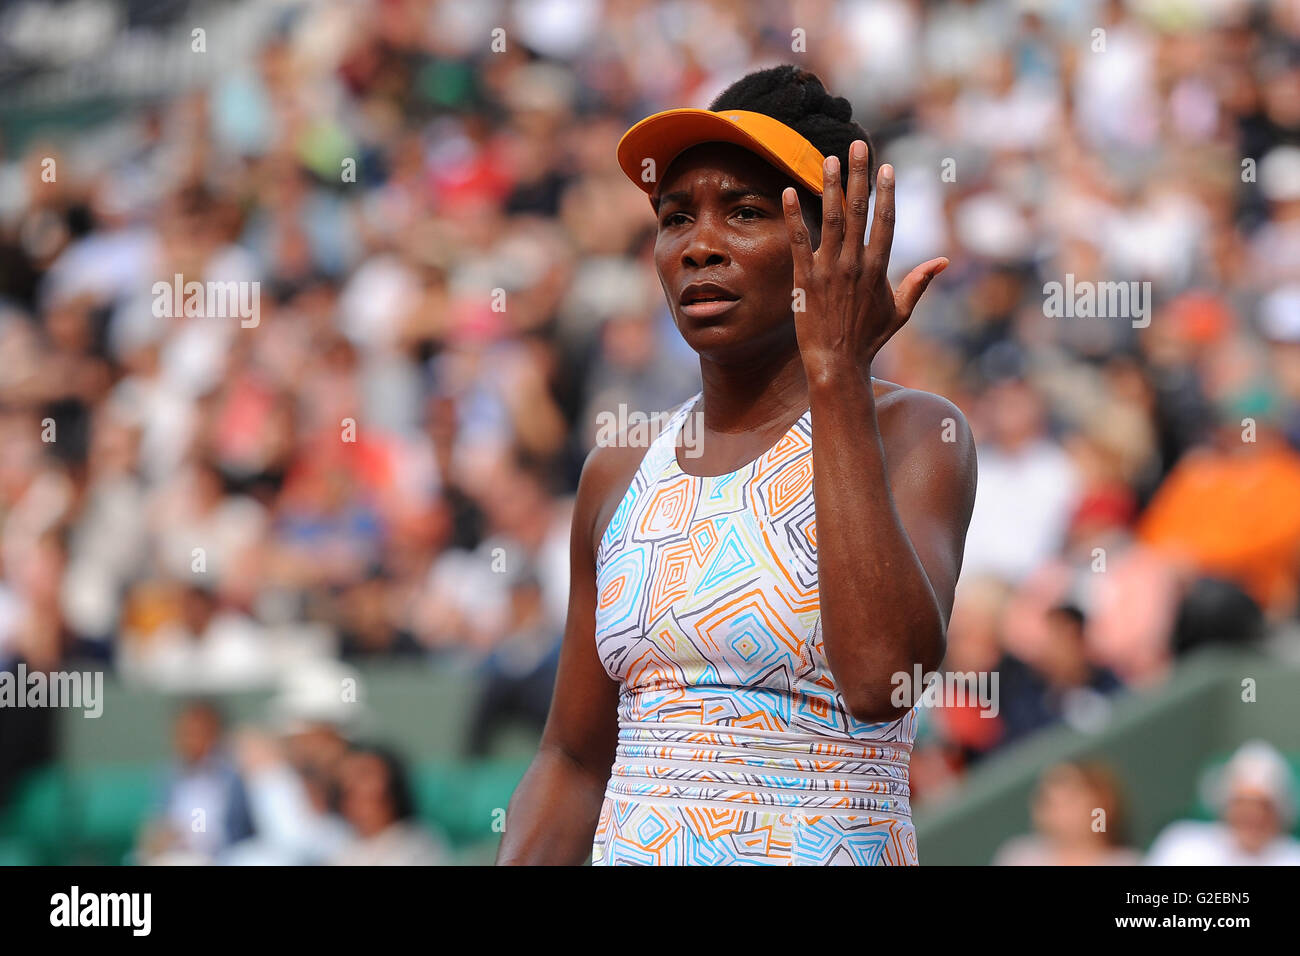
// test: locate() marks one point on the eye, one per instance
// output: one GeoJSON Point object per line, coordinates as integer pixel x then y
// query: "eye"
{"type": "Point", "coordinates": [670, 219]}
{"type": "Point", "coordinates": [757, 212]}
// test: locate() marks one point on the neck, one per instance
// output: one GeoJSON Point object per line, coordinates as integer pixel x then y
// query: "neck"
{"type": "Point", "coordinates": [748, 396]}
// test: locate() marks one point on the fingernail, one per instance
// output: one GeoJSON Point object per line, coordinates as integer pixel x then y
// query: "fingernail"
{"type": "Point", "coordinates": [887, 173]}
{"type": "Point", "coordinates": [832, 165]}
{"type": "Point", "coordinates": [859, 149]}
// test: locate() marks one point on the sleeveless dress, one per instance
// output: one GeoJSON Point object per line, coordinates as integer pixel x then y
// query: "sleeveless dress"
{"type": "Point", "coordinates": [734, 745]}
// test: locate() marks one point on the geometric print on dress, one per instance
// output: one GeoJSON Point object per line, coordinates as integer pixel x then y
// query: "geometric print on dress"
{"type": "Point", "coordinates": [648, 834]}
{"type": "Point", "coordinates": [707, 615]}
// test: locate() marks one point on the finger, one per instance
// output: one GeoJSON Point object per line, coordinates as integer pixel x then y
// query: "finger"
{"type": "Point", "coordinates": [882, 227]}
{"type": "Point", "coordinates": [858, 200]}
{"type": "Point", "coordinates": [800, 241]}
{"type": "Point", "coordinates": [918, 280]}
{"type": "Point", "coordinates": [832, 209]}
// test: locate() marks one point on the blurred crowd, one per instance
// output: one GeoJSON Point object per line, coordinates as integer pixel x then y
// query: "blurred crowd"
{"type": "Point", "coordinates": [455, 278]}
{"type": "Point", "coordinates": [1080, 818]}
{"type": "Point", "coordinates": [302, 794]}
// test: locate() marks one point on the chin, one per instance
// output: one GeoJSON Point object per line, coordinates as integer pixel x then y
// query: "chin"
{"type": "Point", "coordinates": [729, 339]}
{"type": "Point", "coordinates": [725, 346]}
{"type": "Point", "coordinates": [706, 335]}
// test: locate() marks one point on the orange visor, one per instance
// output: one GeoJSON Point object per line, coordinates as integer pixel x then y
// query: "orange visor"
{"type": "Point", "coordinates": [646, 150]}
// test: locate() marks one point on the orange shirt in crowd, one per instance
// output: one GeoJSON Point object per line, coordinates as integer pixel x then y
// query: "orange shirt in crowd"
{"type": "Point", "coordinates": [1235, 516]}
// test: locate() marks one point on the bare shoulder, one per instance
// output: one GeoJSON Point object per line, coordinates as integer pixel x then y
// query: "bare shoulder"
{"type": "Point", "coordinates": [913, 414]}
{"type": "Point", "coordinates": [924, 431]}
{"type": "Point", "coordinates": [610, 467]}
{"type": "Point", "coordinates": [912, 408]}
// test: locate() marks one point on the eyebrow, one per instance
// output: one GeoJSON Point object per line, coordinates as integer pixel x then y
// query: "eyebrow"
{"type": "Point", "coordinates": [728, 195]}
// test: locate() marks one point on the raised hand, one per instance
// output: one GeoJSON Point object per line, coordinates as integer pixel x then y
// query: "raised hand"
{"type": "Point", "coordinates": [847, 311]}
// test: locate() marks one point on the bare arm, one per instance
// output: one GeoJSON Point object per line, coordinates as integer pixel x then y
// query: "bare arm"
{"type": "Point", "coordinates": [894, 476]}
{"type": "Point", "coordinates": [890, 533]}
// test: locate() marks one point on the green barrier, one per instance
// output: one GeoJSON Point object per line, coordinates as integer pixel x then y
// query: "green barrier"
{"type": "Point", "coordinates": [111, 804]}
{"type": "Point", "coordinates": [34, 826]}
{"type": "Point", "coordinates": [423, 712]}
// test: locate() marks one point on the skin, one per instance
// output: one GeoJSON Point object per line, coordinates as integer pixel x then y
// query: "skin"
{"type": "Point", "coordinates": [1254, 820]}
{"type": "Point", "coordinates": [197, 733]}
{"type": "Point", "coordinates": [365, 802]}
{"type": "Point", "coordinates": [892, 466]}
{"type": "Point", "coordinates": [1063, 813]}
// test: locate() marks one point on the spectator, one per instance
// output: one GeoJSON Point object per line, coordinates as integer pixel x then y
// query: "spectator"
{"type": "Point", "coordinates": [294, 805]}
{"type": "Point", "coordinates": [1254, 797]}
{"type": "Point", "coordinates": [204, 808]}
{"type": "Point", "coordinates": [1060, 684]}
{"type": "Point", "coordinates": [376, 800]}
{"type": "Point", "coordinates": [202, 647]}
{"type": "Point", "coordinates": [520, 672]}
{"type": "Point", "coordinates": [1079, 819]}
{"type": "Point", "coordinates": [1027, 486]}
{"type": "Point", "coordinates": [1252, 534]}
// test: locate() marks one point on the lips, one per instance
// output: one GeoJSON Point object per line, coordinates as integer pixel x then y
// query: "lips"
{"type": "Point", "coordinates": [702, 300]}
{"type": "Point", "coordinates": [708, 308]}
{"type": "Point", "coordinates": [700, 292]}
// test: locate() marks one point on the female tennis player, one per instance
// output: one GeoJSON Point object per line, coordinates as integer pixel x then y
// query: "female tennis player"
{"type": "Point", "coordinates": [741, 622]}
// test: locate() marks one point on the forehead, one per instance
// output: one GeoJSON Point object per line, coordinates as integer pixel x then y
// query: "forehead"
{"type": "Point", "coordinates": [721, 166]}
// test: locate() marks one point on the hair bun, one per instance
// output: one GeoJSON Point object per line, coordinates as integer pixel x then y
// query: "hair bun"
{"type": "Point", "coordinates": [798, 98]}
{"type": "Point", "coordinates": [838, 108]}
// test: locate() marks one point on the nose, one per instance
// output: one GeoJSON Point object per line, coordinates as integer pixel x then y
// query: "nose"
{"type": "Point", "coordinates": [704, 246]}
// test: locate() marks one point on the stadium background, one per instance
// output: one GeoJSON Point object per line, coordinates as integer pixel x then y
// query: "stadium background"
{"type": "Point", "coordinates": [388, 177]}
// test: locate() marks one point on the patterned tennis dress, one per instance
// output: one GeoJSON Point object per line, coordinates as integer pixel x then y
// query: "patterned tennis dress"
{"type": "Point", "coordinates": [734, 745]}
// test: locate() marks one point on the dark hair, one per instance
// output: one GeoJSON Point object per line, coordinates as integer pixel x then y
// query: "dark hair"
{"type": "Point", "coordinates": [1070, 612]}
{"type": "Point", "coordinates": [400, 794]}
{"type": "Point", "coordinates": [798, 99]}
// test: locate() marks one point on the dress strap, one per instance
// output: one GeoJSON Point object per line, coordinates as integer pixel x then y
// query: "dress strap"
{"type": "Point", "coordinates": [661, 453]}
{"type": "Point", "coordinates": [663, 450]}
